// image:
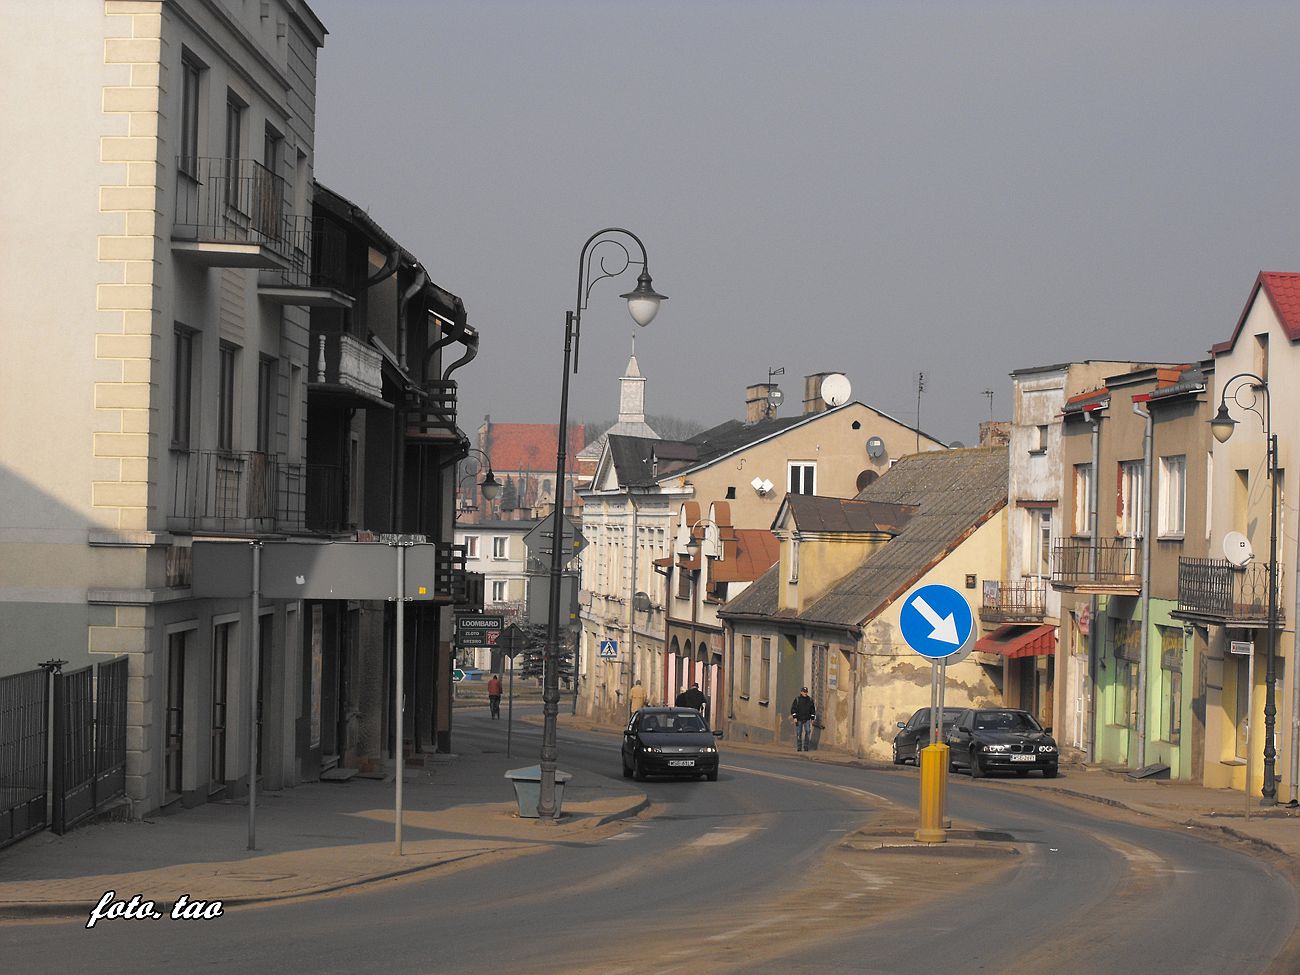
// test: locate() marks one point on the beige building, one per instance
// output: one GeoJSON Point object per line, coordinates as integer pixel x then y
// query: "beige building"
{"type": "Point", "coordinates": [630, 510]}
{"type": "Point", "coordinates": [149, 390]}
{"type": "Point", "coordinates": [827, 615]}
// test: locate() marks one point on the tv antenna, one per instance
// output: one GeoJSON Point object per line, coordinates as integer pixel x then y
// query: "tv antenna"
{"type": "Point", "coordinates": [989, 394]}
{"type": "Point", "coordinates": [774, 395]}
{"type": "Point", "coordinates": [920, 388]}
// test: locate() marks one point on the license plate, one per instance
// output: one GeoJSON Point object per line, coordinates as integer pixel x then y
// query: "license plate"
{"type": "Point", "coordinates": [1023, 758]}
{"type": "Point", "coordinates": [682, 763]}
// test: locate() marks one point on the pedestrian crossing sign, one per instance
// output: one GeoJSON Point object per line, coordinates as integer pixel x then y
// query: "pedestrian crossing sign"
{"type": "Point", "coordinates": [608, 649]}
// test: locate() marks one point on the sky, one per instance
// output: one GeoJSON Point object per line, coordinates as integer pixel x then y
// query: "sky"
{"type": "Point", "coordinates": [875, 188]}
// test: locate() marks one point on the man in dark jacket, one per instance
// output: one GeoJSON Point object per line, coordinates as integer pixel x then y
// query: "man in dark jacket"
{"type": "Point", "coordinates": [803, 712]}
{"type": "Point", "coordinates": [692, 698]}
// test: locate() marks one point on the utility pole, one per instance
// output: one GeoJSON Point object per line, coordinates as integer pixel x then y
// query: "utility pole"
{"type": "Point", "coordinates": [920, 388]}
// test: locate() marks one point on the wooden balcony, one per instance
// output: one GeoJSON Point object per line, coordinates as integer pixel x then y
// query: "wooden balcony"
{"type": "Point", "coordinates": [1114, 567]}
{"type": "Point", "coordinates": [1014, 601]}
{"type": "Point", "coordinates": [1215, 591]}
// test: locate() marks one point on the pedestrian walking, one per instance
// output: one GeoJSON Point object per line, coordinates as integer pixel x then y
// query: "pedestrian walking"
{"type": "Point", "coordinates": [494, 697]}
{"type": "Point", "coordinates": [636, 697]}
{"type": "Point", "coordinates": [692, 697]}
{"type": "Point", "coordinates": [803, 712]}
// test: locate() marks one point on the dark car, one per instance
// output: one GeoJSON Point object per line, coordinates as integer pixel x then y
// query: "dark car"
{"type": "Point", "coordinates": [669, 741]}
{"type": "Point", "coordinates": [1001, 740]}
{"type": "Point", "coordinates": [914, 734]}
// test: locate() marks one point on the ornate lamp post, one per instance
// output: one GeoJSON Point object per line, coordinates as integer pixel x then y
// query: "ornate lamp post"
{"type": "Point", "coordinates": [489, 487]}
{"type": "Point", "coordinates": [1222, 426]}
{"type": "Point", "coordinates": [643, 304]}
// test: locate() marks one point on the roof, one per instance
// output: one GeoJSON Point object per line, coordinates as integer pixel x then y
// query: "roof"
{"type": "Point", "coordinates": [1020, 640]}
{"type": "Point", "coordinates": [954, 491]}
{"type": "Point", "coordinates": [1093, 399]}
{"type": "Point", "coordinates": [640, 461]}
{"type": "Point", "coordinates": [529, 446]}
{"type": "Point", "coordinates": [1283, 290]}
{"type": "Point", "coordinates": [499, 524]}
{"type": "Point", "coordinates": [817, 514]}
{"type": "Point", "coordinates": [1191, 380]}
{"type": "Point", "coordinates": [753, 552]}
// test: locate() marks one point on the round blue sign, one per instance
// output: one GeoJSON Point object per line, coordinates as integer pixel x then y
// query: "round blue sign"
{"type": "Point", "coordinates": [936, 621]}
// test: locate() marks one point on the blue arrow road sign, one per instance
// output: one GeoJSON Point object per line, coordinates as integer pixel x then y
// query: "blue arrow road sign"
{"type": "Point", "coordinates": [936, 621]}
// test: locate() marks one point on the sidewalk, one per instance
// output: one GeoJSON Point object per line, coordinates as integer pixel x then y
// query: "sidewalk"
{"type": "Point", "coordinates": [314, 838]}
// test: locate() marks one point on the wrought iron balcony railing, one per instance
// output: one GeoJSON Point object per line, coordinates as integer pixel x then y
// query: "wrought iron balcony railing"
{"type": "Point", "coordinates": [234, 201]}
{"type": "Point", "coordinates": [1014, 600]}
{"type": "Point", "coordinates": [1217, 590]}
{"type": "Point", "coordinates": [1115, 564]}
{"type": "Point", "coordinates": [254, 492]}
{"type": "Point", "coordinates": [317, 252]}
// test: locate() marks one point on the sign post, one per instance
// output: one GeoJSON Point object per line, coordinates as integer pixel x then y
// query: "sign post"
{"type": "Point", "coordinates": [937, 622]}
{"type": "Point", "coordinates": [511, 642]}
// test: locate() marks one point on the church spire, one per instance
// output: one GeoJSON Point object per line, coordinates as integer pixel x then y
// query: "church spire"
{"type": "Point", "coordinates": [631, 393]}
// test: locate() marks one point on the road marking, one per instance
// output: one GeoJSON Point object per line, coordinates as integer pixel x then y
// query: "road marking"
{"type": "Point", "coordinates": [861, 793]}
{"type": "Point", "coordinates": [722, 836]}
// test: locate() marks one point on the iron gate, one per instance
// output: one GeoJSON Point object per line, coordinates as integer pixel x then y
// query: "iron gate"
{"type": "Point", "coordinates": [24, 720]}
{"type": "Point", "coordinates": [89, 741]}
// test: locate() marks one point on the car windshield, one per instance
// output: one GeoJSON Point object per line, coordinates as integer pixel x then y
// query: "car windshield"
{"type": "Point", "coordinates": [666, 724]}
{"type": "Point", "coordinates": [1005, 721]}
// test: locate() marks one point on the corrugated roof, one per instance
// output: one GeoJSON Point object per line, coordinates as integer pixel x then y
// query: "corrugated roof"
{"type": "Point", "coordinates": [954, 491]}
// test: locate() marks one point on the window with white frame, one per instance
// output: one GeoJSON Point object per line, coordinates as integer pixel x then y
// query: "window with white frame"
{"type": "Point", "coordinates": [498, 590]}
{"type": "Point", "coordinates": [500, 546]}
{"type": "Point", "coordinates": [803, 477]}
{"type": "Point", "coordinates": [1082, 499]}
{"type": "Point", "coordinates": [1173, 495]}
{"type": "Point", "coordinates": [471, 546]}
{"type": "Point", "coordinates": [794, 557]}
{"type": "Point", "coordinates": [1039, 527]}
{"type": "Point", "coordinates": [1128, 514]}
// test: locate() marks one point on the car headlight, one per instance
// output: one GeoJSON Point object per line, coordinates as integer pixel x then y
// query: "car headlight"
{"type": "Point", "coordinates": [650, 748]}
{"type": "Point", "coordinates": [995, 748]}
{"type": "Point", "coordinates": [1047, 748]}
{"type": "Point", "coordinates": [708, 750]}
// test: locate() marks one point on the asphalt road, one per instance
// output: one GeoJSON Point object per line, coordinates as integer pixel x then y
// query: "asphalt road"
{"type": "Point", "coordinates": [750, 874]}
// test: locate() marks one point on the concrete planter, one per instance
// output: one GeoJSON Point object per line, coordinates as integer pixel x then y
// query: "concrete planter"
{"type": "Point", "coordinates": [528, 789]}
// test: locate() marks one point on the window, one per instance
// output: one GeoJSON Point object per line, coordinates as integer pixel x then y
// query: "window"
{"type": "Point", "coordinates": [220, 671]}
{"type": "Point", "coordinates": [1040, 542]}
{"type": "Point", "coordinates": [174, 711]}
{"type": "Point", "coordinates": [266, 395]}
{"type": "Point", "coordinates": [1082, 499]}
{"type": "Point", "coordinates": [1128, 503]}
{"type": "Point", "coordinates": [1261, 356]}
{"type": "Point", "coordinates": [471, 546]}
{"type": "Point", "coordinates": [183, 388]}
{"type": "Point", "coordinates": [746, 662]}
{"type": "Point", "coordinates": [191, 74]}
{"type": "Point", "coordinates": [1040, 439]}
{"type": "Point", "coordinates": [794, 557]}
{"type": "Point", "coordinates": [683, 582]}
{"type": "Point", "coordinates": [234, 147]}
{"type": "Point", "coordinates": [226, 398]}
{"type": "Point", "coordinates": [1126, 636]}
{"type": "Point", "coordinates": [765, 670]}
{"type": "Point", "coordinates": [498, 591]}
{"type": "Point", "coordinates": [803, 478]}
{"type": "Point", "coordinates": [500, 547]}
{"type": "Point", "coordinates": [1173, 495]}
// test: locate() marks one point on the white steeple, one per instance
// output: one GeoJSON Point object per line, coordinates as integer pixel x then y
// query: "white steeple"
{"type": "Point", "coordinates": [631, 392]}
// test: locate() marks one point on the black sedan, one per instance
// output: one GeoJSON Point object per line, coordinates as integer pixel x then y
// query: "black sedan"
{"type": "Point", "coordinates": [669, 741]}
{"type": "Point", "coordinates": [914, 734]}
{"type": "Point", "coordinates": [1001, 740]}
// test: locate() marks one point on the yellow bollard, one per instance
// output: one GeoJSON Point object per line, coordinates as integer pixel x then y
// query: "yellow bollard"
{"type": "Point", "coordinates": [934, 793]}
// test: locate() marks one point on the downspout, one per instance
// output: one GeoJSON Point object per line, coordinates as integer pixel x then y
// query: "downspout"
{"type": "Point", "coordinates": [415, 287]}
{"type": "Point", "coordinates": [1148, 436]}
{"type": "Point", "coordinates": [1093, 649]}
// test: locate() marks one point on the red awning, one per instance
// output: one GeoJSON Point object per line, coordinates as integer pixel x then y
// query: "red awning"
{"type": "Point", "coordinates": [1019, 640]}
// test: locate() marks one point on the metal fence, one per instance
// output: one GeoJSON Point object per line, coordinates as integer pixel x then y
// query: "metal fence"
{"type": "Point", "coordinates": [1215, 588]}
{"type": "Point", "coordinates": [1007, 600]}
{"type": "Point", "coordinates": [1114, 562]}
{"type": "Point", "coordinates": [236, 201]}
{"type": "Point", "coordinates": [86, 767]}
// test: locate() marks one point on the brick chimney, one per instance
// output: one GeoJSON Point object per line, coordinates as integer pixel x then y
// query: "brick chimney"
{"type": "Point", "coordinates": [812, 393]}
{"type": "Point", "coordinates": [757, 406]}
{"type": "Point", "coordinates": [995, 433]}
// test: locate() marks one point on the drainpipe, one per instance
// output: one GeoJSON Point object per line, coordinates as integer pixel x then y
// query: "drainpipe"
{"type": "Point", "coordinates": [1148, 437]}
{"type": "Point", "coordinates": [415, 287]}
{"type": "Point", "coordinates": [1093, 657]}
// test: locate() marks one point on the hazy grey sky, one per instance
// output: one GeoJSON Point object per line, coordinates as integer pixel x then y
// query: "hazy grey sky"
{"type": "Point", "coordinates": [874, 187]}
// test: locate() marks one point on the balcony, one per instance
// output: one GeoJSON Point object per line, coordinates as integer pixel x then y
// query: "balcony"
{"type": "Point", "coordinates": [317, 275]}
{"type": "Point", "coordinates": [346, 368]}
{"type": "Point", "coordinates": [230, 213]}
{"type": "Point", "coordinates": [1014, 601]}
{"type": "Point", "coordinates": [248, 492]}
{"type": "Point", "coordinates": [432, 416]}
{"type": "Point", "coordinates": [1113, 568]}
{"type": "Point", "coordinates": [1215, 591]}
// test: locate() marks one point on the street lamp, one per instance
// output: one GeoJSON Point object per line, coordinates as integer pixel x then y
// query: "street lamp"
{"type": "Point", "coordinates": [643, 304]}
{"type": "Point", "coordinates": [489, 487]}
{"type": "Point", "coordinates": [1222, 427]}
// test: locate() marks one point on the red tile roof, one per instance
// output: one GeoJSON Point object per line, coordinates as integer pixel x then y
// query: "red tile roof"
{"type": "Point", "coordinates": [529, 446]}
{"type": "Point", "coordinates": [754, 551]}
{"type": "Point", "coordinates": [1283, 290]}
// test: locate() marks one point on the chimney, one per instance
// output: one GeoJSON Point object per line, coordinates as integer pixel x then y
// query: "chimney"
{"type": "Point", "coordinates": [757, 405]}
{"type": "Point", "coordinates": [995, 433]}
{"type": "Point", "coordinates": [812, 393]}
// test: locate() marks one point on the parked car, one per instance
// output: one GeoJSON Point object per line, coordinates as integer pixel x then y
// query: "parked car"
{"type": "Point", "coordinates": [669, 741]}
{"type": "Point", "coordinates": [914, 734]}
{"type": "Point", "coordinates": [1001, 740]}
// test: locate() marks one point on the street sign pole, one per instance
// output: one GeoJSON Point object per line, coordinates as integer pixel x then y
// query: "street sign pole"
{"type": "Point", "coordinates": [398, 665]}
{"type": "Point", "coordinates": [252, 706]}
{"type": "Point", "coordinates": [510, 706]}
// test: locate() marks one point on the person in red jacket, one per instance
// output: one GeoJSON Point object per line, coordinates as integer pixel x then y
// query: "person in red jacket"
{"type": "Point", "coordinates": [494, 696]}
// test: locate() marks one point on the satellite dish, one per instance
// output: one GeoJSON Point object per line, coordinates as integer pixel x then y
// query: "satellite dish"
{"type": "Point", "coordinates": [1236, 549]}
{"type": "Point", "coordinates": [836, 389]}
{"type": "Point", "coordinates": [956, 445]}
{"type": "Point", "coordinates": [875, 448]}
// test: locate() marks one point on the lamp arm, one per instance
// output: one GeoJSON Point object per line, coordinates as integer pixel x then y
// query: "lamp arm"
{"type": "Point", "coordinates": [1256, 384]}
{"type": "Point", "coordinates": [585, 280]}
